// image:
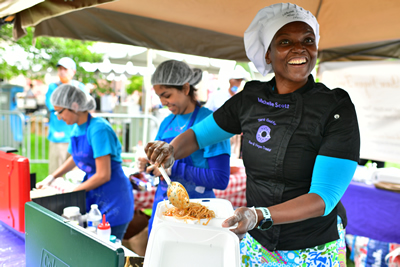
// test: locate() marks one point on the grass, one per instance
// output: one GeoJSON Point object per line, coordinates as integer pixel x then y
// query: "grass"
{"type": "Point", "coordinates": [390, 164]}
{"type": "Point", "coordinates": [41, 169]}
{"type": "Point", "coordinates": [349, 263]}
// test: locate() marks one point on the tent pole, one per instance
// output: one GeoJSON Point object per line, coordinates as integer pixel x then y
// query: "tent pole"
{"type": "Point", "coordinates": [147, 91]}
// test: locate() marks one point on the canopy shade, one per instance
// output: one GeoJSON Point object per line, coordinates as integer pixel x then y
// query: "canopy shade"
{"type": "Point", "coordinates": [355, 29]}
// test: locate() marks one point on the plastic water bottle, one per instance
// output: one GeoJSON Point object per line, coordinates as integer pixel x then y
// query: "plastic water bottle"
{"type": "Point", "coordinates": [104, 229]}
{"type": "Point", "coordinates": [93, 218]}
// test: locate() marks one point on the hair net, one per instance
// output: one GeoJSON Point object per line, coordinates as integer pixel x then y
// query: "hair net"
{"type": "Point", "coordinates": [266, 23]}
{"type": "Point", "coordinates": [173, 72]}
{"type": "Point", "coordinates": [197, 75]}
{"type": "Point", "coordinates": [70, 97]}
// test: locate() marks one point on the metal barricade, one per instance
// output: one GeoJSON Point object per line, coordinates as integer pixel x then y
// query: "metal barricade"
{"type": "Point", "coordinates": [12, 128]}
{"type": "Point", "coordinates": [37, 145]}
{"type": "Point", "coordinates": [29, 134]}
{"type": "Point", "coordinates": [130, 129]}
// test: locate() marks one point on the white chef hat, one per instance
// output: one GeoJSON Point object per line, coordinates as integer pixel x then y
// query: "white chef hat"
{"type": "Point", "coordinates": [266, 23]}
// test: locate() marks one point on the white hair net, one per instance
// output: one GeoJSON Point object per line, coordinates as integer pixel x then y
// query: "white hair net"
{"type": "Point", "coordinates": [266, 23]}
{"type": "Point", "coordinates": [70, 97]}
{"type": "Point", "coordinates": [173, 72]}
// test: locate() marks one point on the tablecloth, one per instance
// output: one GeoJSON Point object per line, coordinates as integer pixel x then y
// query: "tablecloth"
{"type": "Point", "coordinates": [12, 247]}
{"type": "Point", "coordinates": [372, 212]}
{"type": "Point", "coordinates": [235, 192]}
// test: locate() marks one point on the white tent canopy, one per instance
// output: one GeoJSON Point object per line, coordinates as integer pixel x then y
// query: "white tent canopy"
{"type": "Point", "coordinates": [355, 29]}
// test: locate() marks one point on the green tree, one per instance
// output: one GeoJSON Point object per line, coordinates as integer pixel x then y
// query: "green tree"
{"type": "Point", "coordinates": [45, 53]}
{"type": "Point", "coordinates": [135, 85]}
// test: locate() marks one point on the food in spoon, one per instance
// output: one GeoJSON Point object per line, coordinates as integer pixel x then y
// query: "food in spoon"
{"type": "Point", "coordinates": [176, 192]}
{"type": "Point", "coordinates": [178, 195]}
{"type": "Point", "coordinates": [195, 211]}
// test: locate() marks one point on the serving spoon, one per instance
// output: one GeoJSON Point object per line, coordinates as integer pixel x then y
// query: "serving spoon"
{"type": "Point", "coordinates": [176, 192]}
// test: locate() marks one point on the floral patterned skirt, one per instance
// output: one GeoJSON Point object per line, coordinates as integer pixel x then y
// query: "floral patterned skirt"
{"type": "Point", "coordinates": [333, 254]}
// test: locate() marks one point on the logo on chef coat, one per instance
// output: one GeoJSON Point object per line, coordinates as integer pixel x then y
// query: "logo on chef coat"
{"type": "Point", "coordinates": [263, 134]}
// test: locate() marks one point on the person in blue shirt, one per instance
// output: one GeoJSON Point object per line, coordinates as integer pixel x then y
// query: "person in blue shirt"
{"type": "Point", "coordinates": [59, 131]}
{"type": "Point", "coordinates": [203, 170]}
{"type": "Point", "coordinates": [96, 150]}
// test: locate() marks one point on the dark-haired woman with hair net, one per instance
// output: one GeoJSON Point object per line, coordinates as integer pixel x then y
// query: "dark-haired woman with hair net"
{"type": "Point", "coordinates": [96, 150]}
{"type": "Point", "coordinates": [203, 170]}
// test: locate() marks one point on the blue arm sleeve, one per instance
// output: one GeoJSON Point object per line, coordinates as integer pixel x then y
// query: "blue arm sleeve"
{"type": "Point", "coordinates": [330, 179]}
{"type": "Point", "coordinates": [216, 176]}
{"type": "Point", "coordinates": [208, 132]}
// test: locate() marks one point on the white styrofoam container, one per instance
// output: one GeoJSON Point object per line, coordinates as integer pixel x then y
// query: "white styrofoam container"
{"type": "Point", "coordinates": [181, 245]}
{"type": "Point", "coordinates": [223, 209]}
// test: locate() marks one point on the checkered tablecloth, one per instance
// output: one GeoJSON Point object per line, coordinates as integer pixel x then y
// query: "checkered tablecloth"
{"type": "Point", "coordinates": [144, 199]}
{"type": "Point", "coordinates": [235, 192]}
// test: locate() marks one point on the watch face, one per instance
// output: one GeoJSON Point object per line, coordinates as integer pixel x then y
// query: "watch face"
{"type": "Point", "coordinates": [266, 224]}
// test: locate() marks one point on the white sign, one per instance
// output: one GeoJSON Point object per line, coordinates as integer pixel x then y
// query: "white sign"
{"type": "Point", "coordinates": [374, 88]}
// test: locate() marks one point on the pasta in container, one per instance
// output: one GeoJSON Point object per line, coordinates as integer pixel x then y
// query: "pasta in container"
{"type": "Point", "coordinates": [195, 211]}
{"type": "Point", "coordinates": [204, 212]}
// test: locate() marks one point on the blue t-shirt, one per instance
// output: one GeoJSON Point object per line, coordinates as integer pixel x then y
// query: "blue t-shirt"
{"type": "Point", "coordinates": [178, 125]}
{"type": "Point", "coordinates": [101, 137]}
{"type": "Point", "coordinates": [59, 131]}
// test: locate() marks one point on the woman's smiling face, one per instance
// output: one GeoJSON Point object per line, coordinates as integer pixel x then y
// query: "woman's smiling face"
{"type": "Point", "coordinates": [176, 100]}
{"type": "Point", "coordinates": [293, 52]}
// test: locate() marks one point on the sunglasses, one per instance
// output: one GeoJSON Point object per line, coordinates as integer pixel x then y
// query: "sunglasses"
{"type": "Point", "coordinates": [58, 113]}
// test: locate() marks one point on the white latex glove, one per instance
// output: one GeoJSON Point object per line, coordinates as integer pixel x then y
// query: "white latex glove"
{"type": "Point", "coordinates": [46, 182]}
{"type": "Point", "coordinates": [246, 218]}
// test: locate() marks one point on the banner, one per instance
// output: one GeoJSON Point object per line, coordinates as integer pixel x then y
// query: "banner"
{"type": "Point", "coordinates": [374, 88]}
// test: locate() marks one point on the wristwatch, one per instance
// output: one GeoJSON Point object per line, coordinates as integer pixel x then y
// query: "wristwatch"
{"type": "Point", "coordinates": [267, 221]}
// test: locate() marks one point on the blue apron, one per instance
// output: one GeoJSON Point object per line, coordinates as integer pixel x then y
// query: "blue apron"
{"type": "Point", "coordinates": [161, 192]}
{"type": "Point", "coordinates": [114, 198]}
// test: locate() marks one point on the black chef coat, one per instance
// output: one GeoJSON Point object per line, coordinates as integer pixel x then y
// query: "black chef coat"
{"type": "Point", "coordinates": [282, 136]}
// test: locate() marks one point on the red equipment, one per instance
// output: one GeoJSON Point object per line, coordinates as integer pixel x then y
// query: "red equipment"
{"type": "Point", "coordinates": [14, 189]}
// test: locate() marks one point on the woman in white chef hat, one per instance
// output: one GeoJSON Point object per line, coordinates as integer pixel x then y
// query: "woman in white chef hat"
{"type": "Point", "coordinates": [300, 147]}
